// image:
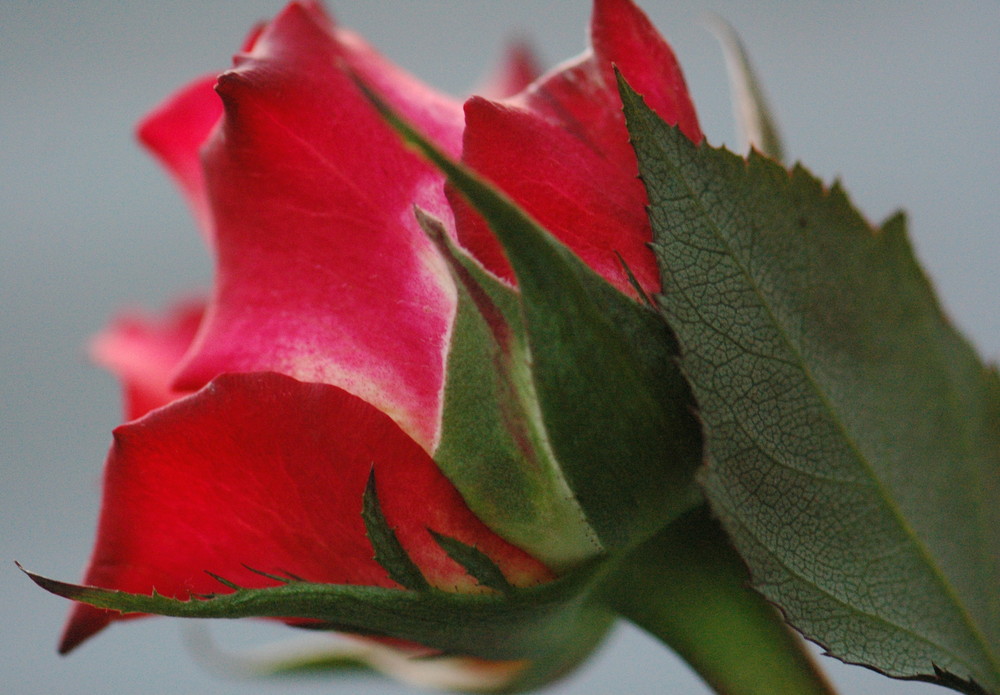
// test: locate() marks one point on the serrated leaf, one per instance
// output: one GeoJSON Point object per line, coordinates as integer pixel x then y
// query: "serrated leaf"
{"type": "Point", "coordinates": [554, 625]}
{"type": "Point", "coordinates": [389, 552]}
{"type": "Point", "coordinates": [616, 410]}
{"type": "Point", "coordinates": [853, 437]}
{"type": "Point", "coordinates": [476, 562]}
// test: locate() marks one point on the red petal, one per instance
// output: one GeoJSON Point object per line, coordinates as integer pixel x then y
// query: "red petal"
{"type": "Point", "coordinates": [268, 472]}
{"type": "Point", "coordinates": [622, 35]}
{"type": "Point", "coordinates": [561, 149]}
{"type": "Point", "coordinates": [175, 131]}
{"type": "Point", "coordinates": [323, 272]}
{"type": "Point", "coordinates": [143, 352]}
{"type": "Point", "coordinates": [518, 69]}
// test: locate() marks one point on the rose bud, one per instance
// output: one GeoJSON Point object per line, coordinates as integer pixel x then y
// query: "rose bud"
{"type": "Point", "coordinates": [425, 401]}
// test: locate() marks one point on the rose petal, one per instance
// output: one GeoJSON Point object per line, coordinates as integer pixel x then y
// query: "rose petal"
{"type": "Point", "coordinates": [175, 131]}
{"type": "Point", "coordinates": [561, 149]}
{"type": "Point", "coordinates": [323, 272]}
{"type": "Point", "coordinates": [144, 351]}
{"type": "Point", "coordinates": [623, 36]}
{"type": "Point", "coordinates": [261, 470]}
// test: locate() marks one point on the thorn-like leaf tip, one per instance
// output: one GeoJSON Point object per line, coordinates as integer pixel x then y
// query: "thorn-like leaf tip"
{"type": "Point", "coordinates": [53, 586]}
{"type": "Point", "coordinates": [224, 581]}
{"type": "Point", "coordinates": [275, 577]}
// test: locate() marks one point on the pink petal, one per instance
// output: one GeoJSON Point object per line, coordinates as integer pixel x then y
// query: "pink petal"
{"type": "Point", "coordinates": [561, 149]}
{"type": "Point", "coordinates": [518, 69]}
{"type": "Point", "coordinates": [143, 352]}
{"type": "Point", "coordinates": [175, 131]}
{"type": "Point", "coordinates": [264, 471]}
{"type": "Point", "coordinates": [323, 272]}
{"type": "Point", "coordinates": [622, 35]}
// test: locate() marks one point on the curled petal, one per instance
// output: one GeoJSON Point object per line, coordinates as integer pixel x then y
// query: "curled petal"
{"type": "Point", "coordinates": [622, 36]}
{"type": "Point", "coordinates": [175, 131]}
{"type": "Point", "coordinates": [265, 472]}
{"type": "Point", "coordinates": [561, 149]}
{"type": "Point", "coordinates": [144, 351]}
{"type": "Point", "coordinates": [323, 272]}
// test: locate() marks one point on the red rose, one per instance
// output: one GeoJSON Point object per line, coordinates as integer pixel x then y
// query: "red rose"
{"type": "Point", "coordinates": [256, 418]}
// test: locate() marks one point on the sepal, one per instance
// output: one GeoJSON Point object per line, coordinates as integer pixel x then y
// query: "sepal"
{"type": "Point", "coordinates": [617, 413]}
{"type": "Point", "coordinates": [552, 625]}
{"type": "Point", "coordinates": [494, 445]}
{"type": "Point", "coordinates": [389, 552]}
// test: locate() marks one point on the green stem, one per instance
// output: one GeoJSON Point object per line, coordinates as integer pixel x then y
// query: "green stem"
{"type": "Point", "coordinates": [688, 587]}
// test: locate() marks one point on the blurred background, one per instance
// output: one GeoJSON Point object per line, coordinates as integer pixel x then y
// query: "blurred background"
{"type": "Point", "coordinates": [898, 100]}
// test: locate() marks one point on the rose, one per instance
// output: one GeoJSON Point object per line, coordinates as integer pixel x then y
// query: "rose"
{"type": "Point", "coordinates": [322, 354]}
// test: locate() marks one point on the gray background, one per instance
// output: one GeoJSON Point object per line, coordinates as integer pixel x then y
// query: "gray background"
{"type": "Point", "coordinates": [899, 99]}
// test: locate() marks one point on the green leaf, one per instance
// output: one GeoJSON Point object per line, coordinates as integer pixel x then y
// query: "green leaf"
{"type": "Point", "coordinates": [853, 437]}
{"type": "Point", "coordinates": [476, 562]}
{"type": "Point", "coordinates": [388, 551]}
{"type": "Point", "coordinates": [554, 625]}
{"type": "Point", "coordinates": [616, 409]}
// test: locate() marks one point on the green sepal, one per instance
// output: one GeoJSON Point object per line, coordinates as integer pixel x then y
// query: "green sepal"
{"type": "Point", "coordinates": [494, 446]}
{"type": "Point", "coordinates": [852, 435]}
{"type": "Point", "coordinates": [388, 551]}
{"type": "Point", "coordinates": [616, 409]}
{"type": "Point", "coordinates": [477, 563]}
{"type": "Point", "coordinates": [553, 625]}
